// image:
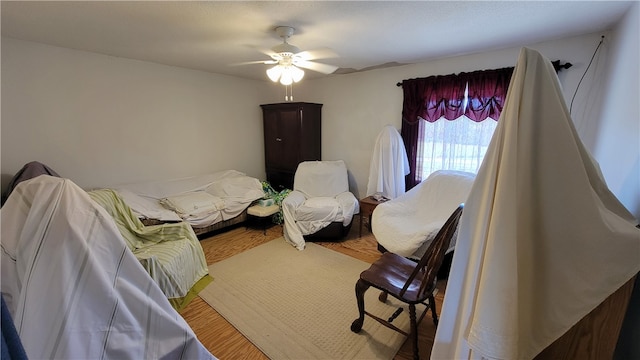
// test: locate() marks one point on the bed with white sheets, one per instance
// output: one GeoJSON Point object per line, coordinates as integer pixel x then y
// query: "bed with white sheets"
{"type": "Point", "coordinates": [207, 202]}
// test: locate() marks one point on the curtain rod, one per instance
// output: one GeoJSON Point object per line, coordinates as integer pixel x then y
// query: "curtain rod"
{"type": "Point", "coordinates": [556, 65]}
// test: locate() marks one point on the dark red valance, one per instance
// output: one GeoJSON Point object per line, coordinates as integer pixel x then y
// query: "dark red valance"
{"type": "Point", "coordinates": [443, 96]}
{"type": "Point", "coordinates": [413, 104]}
{"type": "Point", "coordinates": [433, 97]}
{"type": "Point", "coordinates": [487, 91]}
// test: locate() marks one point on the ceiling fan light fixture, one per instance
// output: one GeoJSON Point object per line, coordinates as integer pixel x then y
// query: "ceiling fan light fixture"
{"type": "Point", "coordinates": [290, 63]}
{"type": "Point", "coordinates": [274, 73]}
{"type": "Point", "coordinates": [286, 78]}
{"type": "Point", "coordinates": [286, 74]}
{"type": "Point", "coordinates": [296, 73]}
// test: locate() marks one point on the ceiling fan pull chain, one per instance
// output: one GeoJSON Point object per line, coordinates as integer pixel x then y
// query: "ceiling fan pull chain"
{"type": "Point", "coordinates": [288, 89]}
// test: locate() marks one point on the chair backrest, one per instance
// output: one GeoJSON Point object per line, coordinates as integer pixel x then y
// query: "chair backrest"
{"type": "Point", "coordinates": [321, 178]}
{"type": "Point", "coordinates": [429, 264]}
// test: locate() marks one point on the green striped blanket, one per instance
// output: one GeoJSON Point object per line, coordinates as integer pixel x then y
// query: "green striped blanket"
{"type": "Point", "coordinates": [171, 253]}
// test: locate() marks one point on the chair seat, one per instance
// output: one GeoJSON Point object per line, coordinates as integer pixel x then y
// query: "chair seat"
{"type": "Point", "coordinates": [306, 213]}
{"type": "Point", "coordinates": [390, 273]}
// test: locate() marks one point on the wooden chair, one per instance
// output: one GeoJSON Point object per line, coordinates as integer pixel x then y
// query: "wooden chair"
{"type": "Point", "coordinates": [410, 282]}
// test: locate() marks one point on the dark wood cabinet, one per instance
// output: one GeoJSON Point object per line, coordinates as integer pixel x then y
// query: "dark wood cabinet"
{"type": "Point", "coordinates": [291, 135]}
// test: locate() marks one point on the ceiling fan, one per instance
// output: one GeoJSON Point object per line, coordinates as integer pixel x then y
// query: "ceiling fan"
{"type": "Point", "coordinates": [289, 59]}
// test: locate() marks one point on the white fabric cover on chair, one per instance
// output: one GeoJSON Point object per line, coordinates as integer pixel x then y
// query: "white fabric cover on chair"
{"type": "Point", "coordinates": [407, 224]}
{"type": "Point", "coordinates": [320, 196]}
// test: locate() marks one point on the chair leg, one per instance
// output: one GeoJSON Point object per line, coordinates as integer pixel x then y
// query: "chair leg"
{"type": "Point", "coordinates": [383, 296]}
{"type": "Point", "coordinates": [414, 330]}
{"type": "Point", "coordinates": [361, 288]}
{"type": "Point", "coordinates": [432, 306]}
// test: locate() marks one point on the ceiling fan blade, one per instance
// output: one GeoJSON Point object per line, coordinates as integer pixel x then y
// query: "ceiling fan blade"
{"type": "Point", "coordinates": [322, 53]}
{"type": "Point", "coordinates": [270, 53]}
{"type": "Point", "coordinates": [266, 62]}
{"type": "Point", "coordinates": [321, 68]}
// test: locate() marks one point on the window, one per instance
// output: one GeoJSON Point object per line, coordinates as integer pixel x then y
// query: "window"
{"type": "Point", "coordinates": [448, 121]}
{"type": "Point", "coordinates": [458, 144]}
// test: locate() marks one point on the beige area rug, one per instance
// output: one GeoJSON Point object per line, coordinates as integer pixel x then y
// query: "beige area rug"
{"type": "Point", "coordinates": [300, 304]}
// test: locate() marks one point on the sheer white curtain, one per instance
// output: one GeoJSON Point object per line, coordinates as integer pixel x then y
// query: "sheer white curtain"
{"type": "Point", "coordinates": [458, 144]}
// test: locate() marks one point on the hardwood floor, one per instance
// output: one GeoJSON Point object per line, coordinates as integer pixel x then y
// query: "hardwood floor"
{"type": "Point", "coordinates": [225, 342]}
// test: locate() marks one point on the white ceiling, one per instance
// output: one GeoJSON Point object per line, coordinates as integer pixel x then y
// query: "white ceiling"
{"type": "Point", "coordinates": [212, 35]}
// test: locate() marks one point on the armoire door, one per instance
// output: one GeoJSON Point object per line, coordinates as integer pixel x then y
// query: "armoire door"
{"type": "Point", "coordinates": [282, 139]}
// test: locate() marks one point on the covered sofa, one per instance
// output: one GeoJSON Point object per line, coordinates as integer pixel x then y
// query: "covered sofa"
{"type": "Point", "coordinates": [207, 202]}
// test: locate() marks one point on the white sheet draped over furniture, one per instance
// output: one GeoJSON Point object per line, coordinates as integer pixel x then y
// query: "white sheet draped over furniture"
{"type": "Point", "coordinates": [542, 240]}
{"type": "Point", "coordinates": [389, 164]}
{"type": "Point", "coordinates": [201, 200]}
{"type": "Point", "coordinates": [320, 196]}
{"type": "Point", "coordinates": [74, 289]}
{"type": "Point", "coordinates": [407, 224]}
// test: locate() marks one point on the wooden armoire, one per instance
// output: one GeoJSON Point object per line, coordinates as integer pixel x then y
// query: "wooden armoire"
{"type": "Point", "coordinates": [291, 135]}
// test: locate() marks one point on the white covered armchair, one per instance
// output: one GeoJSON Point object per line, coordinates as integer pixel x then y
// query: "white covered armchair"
{"type": "Point", "coordinates": [320, 205]}
{"type": "Point", "coordinates": [407, 224]}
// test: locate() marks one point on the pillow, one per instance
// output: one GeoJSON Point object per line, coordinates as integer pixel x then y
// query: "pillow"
{"type": "Point", "coordinates": [321, 201]}
{"type": "Point", "coordinates": [193, 203]}
{"type": "Point", "coordinates": [145, 207]}
{"type": "Point", "coordinates": [239, 186]}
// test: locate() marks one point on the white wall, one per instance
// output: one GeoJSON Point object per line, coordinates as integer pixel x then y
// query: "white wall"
{"type": "Point", "coordinates": [617, 147]}
{"type": "Point", "coordinates": [102, 120]}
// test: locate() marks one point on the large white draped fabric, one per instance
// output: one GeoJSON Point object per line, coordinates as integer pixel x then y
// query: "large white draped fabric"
{"type": "Point", "coordinates": [74, 289]}
{"type": "Point", "coordinates": [542, 241]}
{"type": "Point", "coordinates": [389, 164]}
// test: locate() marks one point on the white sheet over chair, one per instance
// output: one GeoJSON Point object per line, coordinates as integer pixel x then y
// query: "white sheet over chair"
{"type": "Point", "coordinates": [320, 196]}
{"type": "Point", "coordinates": [389, 164]}
{"type": "Point", "coordinates": [321, 178]}
{"type": "Point", "coordinates": [74, 289]}
{"type": "Point", "coordinates": [409, 222]}
{"type": "Point", "coordinates": [542, 240]}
